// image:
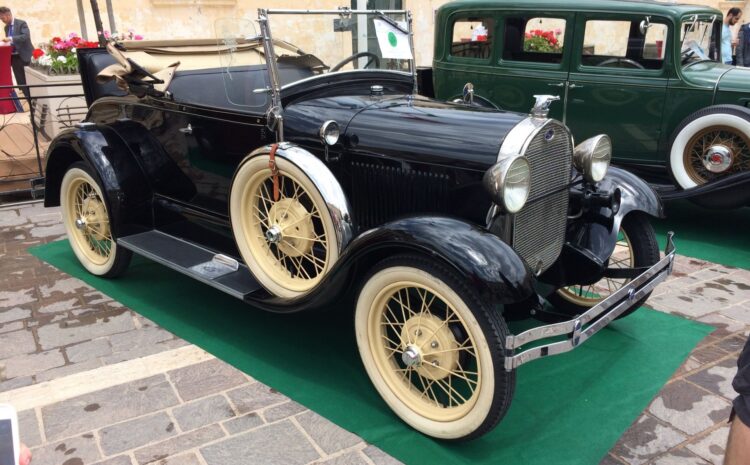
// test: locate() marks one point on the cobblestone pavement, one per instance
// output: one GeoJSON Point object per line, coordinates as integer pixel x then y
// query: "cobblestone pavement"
{"type": "Point", "coordinates": [96, 383]}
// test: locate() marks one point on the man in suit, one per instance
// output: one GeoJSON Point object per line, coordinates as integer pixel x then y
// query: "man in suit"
{"type": "Point", "coordinates": [18, 36]}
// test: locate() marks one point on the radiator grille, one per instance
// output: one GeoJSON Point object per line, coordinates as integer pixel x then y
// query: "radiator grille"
{"type": "Point", "coordinates": [383, 193]}
{"type": "Point", "coordinates": [539, 228]}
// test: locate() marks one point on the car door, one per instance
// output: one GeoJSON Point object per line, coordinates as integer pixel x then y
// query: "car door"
{"type": "Point", "coordinates": [533, 59]}
{"type": "Point", "coordinates": [618, 81]}
{"type": "Point", "coordinates": [508, 57]}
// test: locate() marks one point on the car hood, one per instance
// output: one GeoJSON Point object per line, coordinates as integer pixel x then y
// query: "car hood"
{"type": "Point", "coordinates": [706, 73]}
{"type": "Point", "coordinates": [418, 129]}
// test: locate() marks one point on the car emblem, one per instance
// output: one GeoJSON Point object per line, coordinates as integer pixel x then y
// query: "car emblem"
{"type": "Point", "coordinates": [549, 135]}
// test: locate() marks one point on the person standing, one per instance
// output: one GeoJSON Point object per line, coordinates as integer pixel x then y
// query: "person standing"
{"type": "Point", "coordinates": [738, 443]}
{"type": "Point", "coordinates": [743, 46]}
{"type": "Point", "coordinates": [727, 43]}
{"type": "Point", "coordinates": [18, 36]}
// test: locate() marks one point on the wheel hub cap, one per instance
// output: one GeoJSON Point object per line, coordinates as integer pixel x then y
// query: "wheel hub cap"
{"type": "Point", "coordinates": [293, 229]}
{"type": "Point", "coordinates": [411, 356]}
{"type": "Point", "coordinates": [273, 235]}
{"type": "Point", "coordinates": [717, 159]}
{"type": "Point", "coordinates": [94, 221]}
{"type": "Point", "coordinates": [429, 346]}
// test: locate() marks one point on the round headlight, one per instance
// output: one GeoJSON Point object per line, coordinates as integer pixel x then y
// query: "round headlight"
{"type": "Point", "coordinates": [592, 156]}
{"type": "Point", "coordinates": [509, 182]}
{"type": "Point", "coordinates": [329, 132]}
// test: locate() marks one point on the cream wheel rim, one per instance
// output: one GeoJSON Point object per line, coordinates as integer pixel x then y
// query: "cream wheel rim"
{"type": "Point", "coordinates": [287, 236]}
{"type": "Point", "coordinates": [591, 294]}
{"type": "Point", "coordinates": [424, 351]}
{"type": "Point", "coordinates": [88, 221]}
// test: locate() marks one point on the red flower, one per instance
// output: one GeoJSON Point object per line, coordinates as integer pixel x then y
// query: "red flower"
{"type": "Point", "coordinates": [56, 40]}
{"type": "Point", "coordinates": [37, 53]}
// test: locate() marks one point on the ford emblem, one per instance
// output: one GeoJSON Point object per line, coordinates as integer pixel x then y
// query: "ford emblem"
{"type": "Point", "coordinates": [549, 135]}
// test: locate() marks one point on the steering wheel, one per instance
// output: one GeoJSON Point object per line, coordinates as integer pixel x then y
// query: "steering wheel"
{"type": "Point", "coordinates": [630, 62]}
{"type": "Point", "coordinates": [372, 56]}
{"type": "Point", "coordinates": [687, 55]}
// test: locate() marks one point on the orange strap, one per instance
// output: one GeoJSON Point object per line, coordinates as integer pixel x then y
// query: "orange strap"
{"type": "Point", "coordinates": [274, 171]}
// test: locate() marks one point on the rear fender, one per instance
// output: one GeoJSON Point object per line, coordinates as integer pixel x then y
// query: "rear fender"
{"type": "Point", "coordinates": [126, 189]}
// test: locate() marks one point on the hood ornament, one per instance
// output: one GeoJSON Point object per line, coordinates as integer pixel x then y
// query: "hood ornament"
{"type": "Point", "coordinates": [541, 106]}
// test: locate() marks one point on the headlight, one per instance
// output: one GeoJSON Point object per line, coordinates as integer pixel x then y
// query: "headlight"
{"type": "Point", "coordinates": [592, 156]}
{"type": "Point", "coordinates": [329, 132]}
{"type": "Point", "coordinates": [508, 182]}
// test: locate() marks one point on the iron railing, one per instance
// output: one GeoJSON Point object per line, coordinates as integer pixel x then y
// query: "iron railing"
{"type": "Point", "coordinates": [25, 136]}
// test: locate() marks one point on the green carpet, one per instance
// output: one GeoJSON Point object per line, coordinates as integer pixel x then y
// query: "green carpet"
{"type": "Point", "coordinates": [568, 409]}
{"type": "Point", "coordinates": [719, 236]}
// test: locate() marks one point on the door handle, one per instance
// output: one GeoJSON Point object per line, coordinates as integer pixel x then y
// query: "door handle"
{"type": "Point", "coordinates": [575, 86]}
{"type": "Point", "coordinates": [559, 84]}
{"type": "Point", "coordinates": [187, 130]}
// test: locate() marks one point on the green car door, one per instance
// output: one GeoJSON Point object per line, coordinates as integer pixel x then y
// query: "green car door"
{"type": "Point", "coordinates": [618, 81]}
{"type": "Point", "coordinates": [523, 54]}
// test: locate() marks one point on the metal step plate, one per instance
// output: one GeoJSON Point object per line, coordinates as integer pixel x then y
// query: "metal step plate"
{"type": "Point", "coordinates": [217, 270]}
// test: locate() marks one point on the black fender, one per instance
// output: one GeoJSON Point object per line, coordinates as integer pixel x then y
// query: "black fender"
{"type": "Point", "coordinates": [487, 264]}
{"type": "Point", "coordinates": [591, 239]}
{"type": "Point", "coordinates": [636, 196]}
{"type": "Point", "coordinates": [724, 193]}
{"type": "Point", "coordinates": [114, 166]}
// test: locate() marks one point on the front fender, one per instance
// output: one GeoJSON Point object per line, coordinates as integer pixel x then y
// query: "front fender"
{"type": "Point", "coordinates": [599, 238]}
{"type": "Point", "coordinates": [487, 264]}
{"type": "Point", "coordinates": [112, 164]}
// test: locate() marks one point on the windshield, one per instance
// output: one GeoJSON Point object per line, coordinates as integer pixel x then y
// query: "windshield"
{"type": "Point", "coordinates": [700, 39]}
{"type": "Point", "coordinates": [345, 40]}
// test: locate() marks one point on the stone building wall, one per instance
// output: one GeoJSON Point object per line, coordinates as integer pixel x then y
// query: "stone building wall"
{"type": "Point", "coordinates": [163, 19]}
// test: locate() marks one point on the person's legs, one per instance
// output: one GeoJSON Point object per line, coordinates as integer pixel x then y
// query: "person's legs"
{"type": "Point", "coordinates": [20, 74]}
{"type": "Point", "coordinates": [738, 445]}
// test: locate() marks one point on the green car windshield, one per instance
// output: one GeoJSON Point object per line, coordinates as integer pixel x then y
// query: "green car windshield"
{"type": "Point", "coordinates": [700, 36]}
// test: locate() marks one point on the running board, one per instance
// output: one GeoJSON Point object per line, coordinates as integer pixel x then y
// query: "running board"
{"type": "Point", "coordinates": [217, 270]}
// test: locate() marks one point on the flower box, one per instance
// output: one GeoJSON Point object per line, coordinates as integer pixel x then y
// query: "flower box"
{"type": "Point", "coordinates": [62, 110]}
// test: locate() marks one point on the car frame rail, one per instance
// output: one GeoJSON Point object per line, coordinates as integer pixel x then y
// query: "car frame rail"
{"type": "Point", "coordinates": [606, 311]}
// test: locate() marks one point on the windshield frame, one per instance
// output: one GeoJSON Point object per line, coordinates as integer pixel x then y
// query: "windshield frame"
{"type": "Point", "coordinates": [714, 30]}
{"type": "Point", "coordinates": [275, 112]}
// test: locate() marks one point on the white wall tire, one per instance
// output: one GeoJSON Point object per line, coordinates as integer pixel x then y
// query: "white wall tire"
{"type": "Point", "coordinates": [728, 122]}
{"type": "Point", "coordinates": [306, 246]}
{"type": "Point", "coordinates": [87, 224]}
{"type": "Point", "coordinates": [466, 394]}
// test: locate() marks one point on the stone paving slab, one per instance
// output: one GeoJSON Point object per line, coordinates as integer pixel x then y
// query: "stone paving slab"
{"type": "Point", "coordinates": [55, 327]}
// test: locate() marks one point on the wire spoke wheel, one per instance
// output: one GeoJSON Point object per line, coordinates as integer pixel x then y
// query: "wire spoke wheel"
{"type": "Point", "coordinates": [589, 295]}
{"type": "Point", "coordinates": [432, 349]}
{"type": "Point", "coordinates": [424, 350]}
{"type": "Point", "coordinates": [282, 227]}
{"type": "Point", "coordinates": [636, 247]}
{"type": "Point", "coordinates": [708, 143]}
{"type": "Point", "coordinates": [87, 224]}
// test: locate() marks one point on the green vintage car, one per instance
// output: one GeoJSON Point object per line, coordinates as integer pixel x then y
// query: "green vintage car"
{"type": "Point", "coordinates": [647, 73]}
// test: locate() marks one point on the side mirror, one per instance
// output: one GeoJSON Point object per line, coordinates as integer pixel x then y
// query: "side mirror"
{"type": "Point", "coordinates": [645, 24]}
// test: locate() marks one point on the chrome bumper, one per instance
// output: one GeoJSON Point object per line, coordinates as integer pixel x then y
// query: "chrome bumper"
{"type": "Point", "coordinates": [607, 310]}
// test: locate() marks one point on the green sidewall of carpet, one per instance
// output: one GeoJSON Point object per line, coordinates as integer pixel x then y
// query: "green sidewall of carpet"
{"type": "Point", "coordinates": [718, 236]}
{"type": "Point", "coordinates": [568, 409]}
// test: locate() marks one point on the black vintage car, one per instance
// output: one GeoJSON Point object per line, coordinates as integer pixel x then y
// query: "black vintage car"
{"type": "Point", "coordinates": [291, 180]}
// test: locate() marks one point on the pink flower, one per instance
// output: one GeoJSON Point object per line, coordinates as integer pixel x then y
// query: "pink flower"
{"type": "Point", "coordinates": [138, 37]}
{"type": "Point", "coordinates": [72, 34]}
{"type": "Point", "coordinates": [558, 31]}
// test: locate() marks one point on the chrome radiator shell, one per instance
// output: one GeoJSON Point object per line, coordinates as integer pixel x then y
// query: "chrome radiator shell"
{"type": "Point", "coordinates": [538, 230]}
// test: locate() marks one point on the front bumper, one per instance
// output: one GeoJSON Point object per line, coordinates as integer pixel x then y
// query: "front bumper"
{"type": "Point", "coordinates": [606, 311]}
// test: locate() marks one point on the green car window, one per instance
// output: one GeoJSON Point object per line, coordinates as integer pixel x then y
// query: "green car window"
{"type": "Point", "coordinates": [472, 38]}
{"type": "Point", "coordinates": [538, 39]}
{"type": "Point", "coordinates": [624, 44]}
